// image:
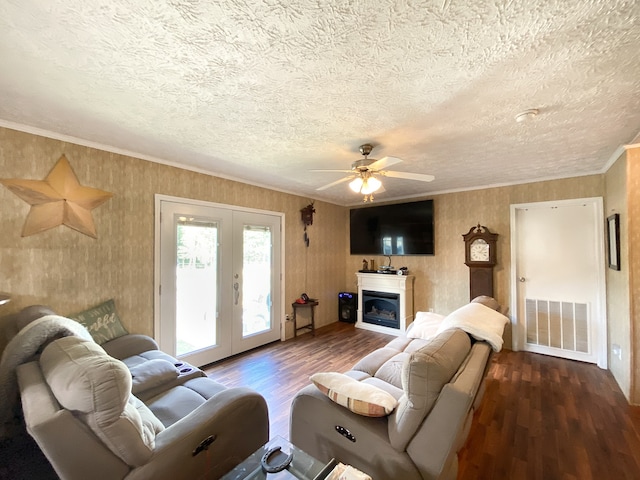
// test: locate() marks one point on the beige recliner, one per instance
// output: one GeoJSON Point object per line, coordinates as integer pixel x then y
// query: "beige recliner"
{"type": "Point", "coordinates": [437, 380]}
{"type": "Point", "coordinates": [79, 407]}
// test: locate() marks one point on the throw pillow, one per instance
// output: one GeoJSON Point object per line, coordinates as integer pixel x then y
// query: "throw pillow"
{"type": "Point", "coordinates": [360, 398]}
{"type": "Point", "coordinates": [102, 321]}
{"type": "Point", "coordinates": [425, 325]}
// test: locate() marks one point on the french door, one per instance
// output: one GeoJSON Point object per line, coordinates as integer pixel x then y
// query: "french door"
{"type": "Point", "coordinates": [217, 275]}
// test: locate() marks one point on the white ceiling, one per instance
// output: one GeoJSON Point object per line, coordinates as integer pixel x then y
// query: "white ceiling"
{"type": "Point", "coordinates": [265, 90]}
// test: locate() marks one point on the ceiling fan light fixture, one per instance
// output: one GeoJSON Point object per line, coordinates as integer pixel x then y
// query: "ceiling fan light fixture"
{"type": "Point", "coordinates": [363, 176]}
{"type": "Point", "coordinates": [356, 184]}
{"type": "Point", "coordinates": [370, 185]}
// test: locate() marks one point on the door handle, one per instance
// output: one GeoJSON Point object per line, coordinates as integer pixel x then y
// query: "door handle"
{"type": "Point", "coordinates": [522, 279]}
{"type": "Point", "coordinates": [236, 292]}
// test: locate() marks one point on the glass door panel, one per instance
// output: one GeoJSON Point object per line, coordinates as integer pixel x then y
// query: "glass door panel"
{"type": "Point", "coordinates": [256, 267]}
{"type": "Point", "coordinates": [194, 323]}
{"type": "Point", "coordinates": [256, 280]}
{"type": "Point", "coordinates": [196, 285]}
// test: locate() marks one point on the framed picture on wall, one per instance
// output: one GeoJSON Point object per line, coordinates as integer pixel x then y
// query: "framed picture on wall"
{"type": "Point", "coordinates": [613, 236]}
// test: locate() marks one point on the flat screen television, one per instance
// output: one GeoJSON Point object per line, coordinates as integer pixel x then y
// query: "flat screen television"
{"type": "Point", "coordinates": [398, 229]}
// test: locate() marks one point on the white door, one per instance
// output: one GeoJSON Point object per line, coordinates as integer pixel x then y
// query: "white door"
{"type": "Point", "coordinates": [558, 277]}
{"type": "Point", "coordinates": [218, 269]}
{"type": "Point", "coordinates": [255, 277]}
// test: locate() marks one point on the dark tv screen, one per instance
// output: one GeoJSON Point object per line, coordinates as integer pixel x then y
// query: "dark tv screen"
{"type": "Point", "coordinates": [399, 229]}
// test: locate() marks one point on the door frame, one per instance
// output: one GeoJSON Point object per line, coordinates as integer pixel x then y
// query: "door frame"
{"type": "Point", "coordinates": [158, 198]}
{"type": "Point", "coordinates": [599, 310]}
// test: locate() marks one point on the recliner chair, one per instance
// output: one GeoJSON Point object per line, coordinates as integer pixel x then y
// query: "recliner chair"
{"type": "Point", "coordinates": [79, 407]}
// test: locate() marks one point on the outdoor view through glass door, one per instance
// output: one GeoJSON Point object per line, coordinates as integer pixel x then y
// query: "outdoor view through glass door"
{"type": "Point", "coordinates": [256, 280]}
{"type": "Point", "coordinates": [219, 272]}
{"type": "Point", "coordinates": [196, 285]}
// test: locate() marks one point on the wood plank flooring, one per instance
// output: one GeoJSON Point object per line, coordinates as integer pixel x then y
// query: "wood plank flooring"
{"type": "Point", "coordinates": [280, 369]}
{"type": "Point", "coordinates": [548, 418]}
{"type": "Point", "coordinates": [541, 417]}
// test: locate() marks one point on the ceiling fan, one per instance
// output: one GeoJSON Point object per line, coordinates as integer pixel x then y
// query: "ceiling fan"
{"type": "Point", "coordinates": [364, 172]}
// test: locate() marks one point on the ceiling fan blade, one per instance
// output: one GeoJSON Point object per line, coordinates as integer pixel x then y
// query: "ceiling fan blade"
{"type": "Point", "coordinates": [337, 182]}
{"type": "Point", "coordinates": [384, 162]}
{"type": "Point", "coordinates": [408, 176]}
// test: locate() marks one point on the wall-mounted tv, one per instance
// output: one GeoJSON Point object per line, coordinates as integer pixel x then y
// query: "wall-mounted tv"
{"type": "Point", "coordinates": [398, 229]}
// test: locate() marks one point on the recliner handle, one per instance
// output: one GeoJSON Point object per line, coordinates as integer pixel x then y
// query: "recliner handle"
{"type": "Point", "coordinates": [203, 445]}
{"type": "Point", "coordinates": [345, 433]}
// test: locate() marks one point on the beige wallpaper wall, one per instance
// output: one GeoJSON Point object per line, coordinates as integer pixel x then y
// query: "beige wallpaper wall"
{"type": "Point", "coordinates": [633, 240]}
{"type": "Point", "coordinates": [70, 271]}
{"type": "Point", "coordinates": [442, 280]}
{"type": "Point", "coordinates": [618, 281]}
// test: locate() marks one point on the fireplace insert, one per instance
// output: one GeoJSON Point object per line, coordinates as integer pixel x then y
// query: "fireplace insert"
{"type": "Point", "coordinates": [381, 308]}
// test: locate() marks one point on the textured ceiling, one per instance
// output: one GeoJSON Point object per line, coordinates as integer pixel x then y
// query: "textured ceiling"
{"type": "Point", "coordinates": [265, 90]}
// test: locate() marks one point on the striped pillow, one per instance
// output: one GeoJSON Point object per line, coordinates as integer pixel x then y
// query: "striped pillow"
{"type": "Point", "coordinates": [361, 398]}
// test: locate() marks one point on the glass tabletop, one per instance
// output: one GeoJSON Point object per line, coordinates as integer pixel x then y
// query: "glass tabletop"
{"type": "Point", "coordinates": [302, 467]}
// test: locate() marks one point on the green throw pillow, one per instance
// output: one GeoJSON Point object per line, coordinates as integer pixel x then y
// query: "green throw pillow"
{"type": "Point", "coordinates": [102, 321]}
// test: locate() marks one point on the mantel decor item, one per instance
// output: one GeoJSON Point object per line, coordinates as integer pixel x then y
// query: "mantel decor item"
{"type": "Point", "coordinates": [59, 199]}
{"type": "Point", "coordinates": [613, 236]}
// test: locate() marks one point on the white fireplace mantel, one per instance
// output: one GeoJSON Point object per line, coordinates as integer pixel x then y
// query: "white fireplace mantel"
{"type": "Point", "coordinates": [379, 282]}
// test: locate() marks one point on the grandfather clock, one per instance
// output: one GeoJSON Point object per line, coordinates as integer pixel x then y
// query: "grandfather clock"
{"type": "Point", "coordinates": [480, 257]}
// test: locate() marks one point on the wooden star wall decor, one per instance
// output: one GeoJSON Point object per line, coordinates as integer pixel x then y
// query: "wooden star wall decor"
{"type": "Point", "coordinates": [59, 199]}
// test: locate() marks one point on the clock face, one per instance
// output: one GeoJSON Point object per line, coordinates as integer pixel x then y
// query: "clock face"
{"type": "Point", "coordinates": [479, 251]}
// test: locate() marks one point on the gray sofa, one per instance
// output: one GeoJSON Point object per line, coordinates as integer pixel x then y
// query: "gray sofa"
{"type": "Point", "coordinates": [125, 409]}
{"type": "Point", "coordinates": [438, 384]}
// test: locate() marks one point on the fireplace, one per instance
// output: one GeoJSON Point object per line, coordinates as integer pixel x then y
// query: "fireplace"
{"type": "Point", "coordinates": [381, 308]}
{"type": "Point", "coordinates": [385, 302]}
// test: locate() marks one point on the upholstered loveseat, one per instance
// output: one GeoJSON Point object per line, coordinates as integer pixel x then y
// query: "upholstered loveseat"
{"type": "Point", "coordinates": [125, 409]}
{"type": "Point", "coordinates": [403, 411]}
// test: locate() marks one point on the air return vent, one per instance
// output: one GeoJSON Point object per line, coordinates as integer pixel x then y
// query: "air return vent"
{"type": "Point", "coordinates": [563, 325]}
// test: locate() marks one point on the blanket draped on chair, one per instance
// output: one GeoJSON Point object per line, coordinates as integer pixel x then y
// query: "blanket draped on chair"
{"type": "Point", "coordinates": [23, 347]}
{"type": "Point", "coordinates": [479, 321]}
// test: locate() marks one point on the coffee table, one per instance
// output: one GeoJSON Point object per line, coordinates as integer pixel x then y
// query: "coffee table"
{"type": "Point", "coordinates": [302, 467]}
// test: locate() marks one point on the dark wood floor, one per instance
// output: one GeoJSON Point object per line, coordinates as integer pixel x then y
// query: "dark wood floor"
{"type": "Point", "coordinates": [541, 417]}
{"type": "Point", "coordinates": [280, 369]}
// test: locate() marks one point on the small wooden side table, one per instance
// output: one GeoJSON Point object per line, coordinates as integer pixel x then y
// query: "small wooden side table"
{"type": "Point", "coordinates": [312, 326]}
